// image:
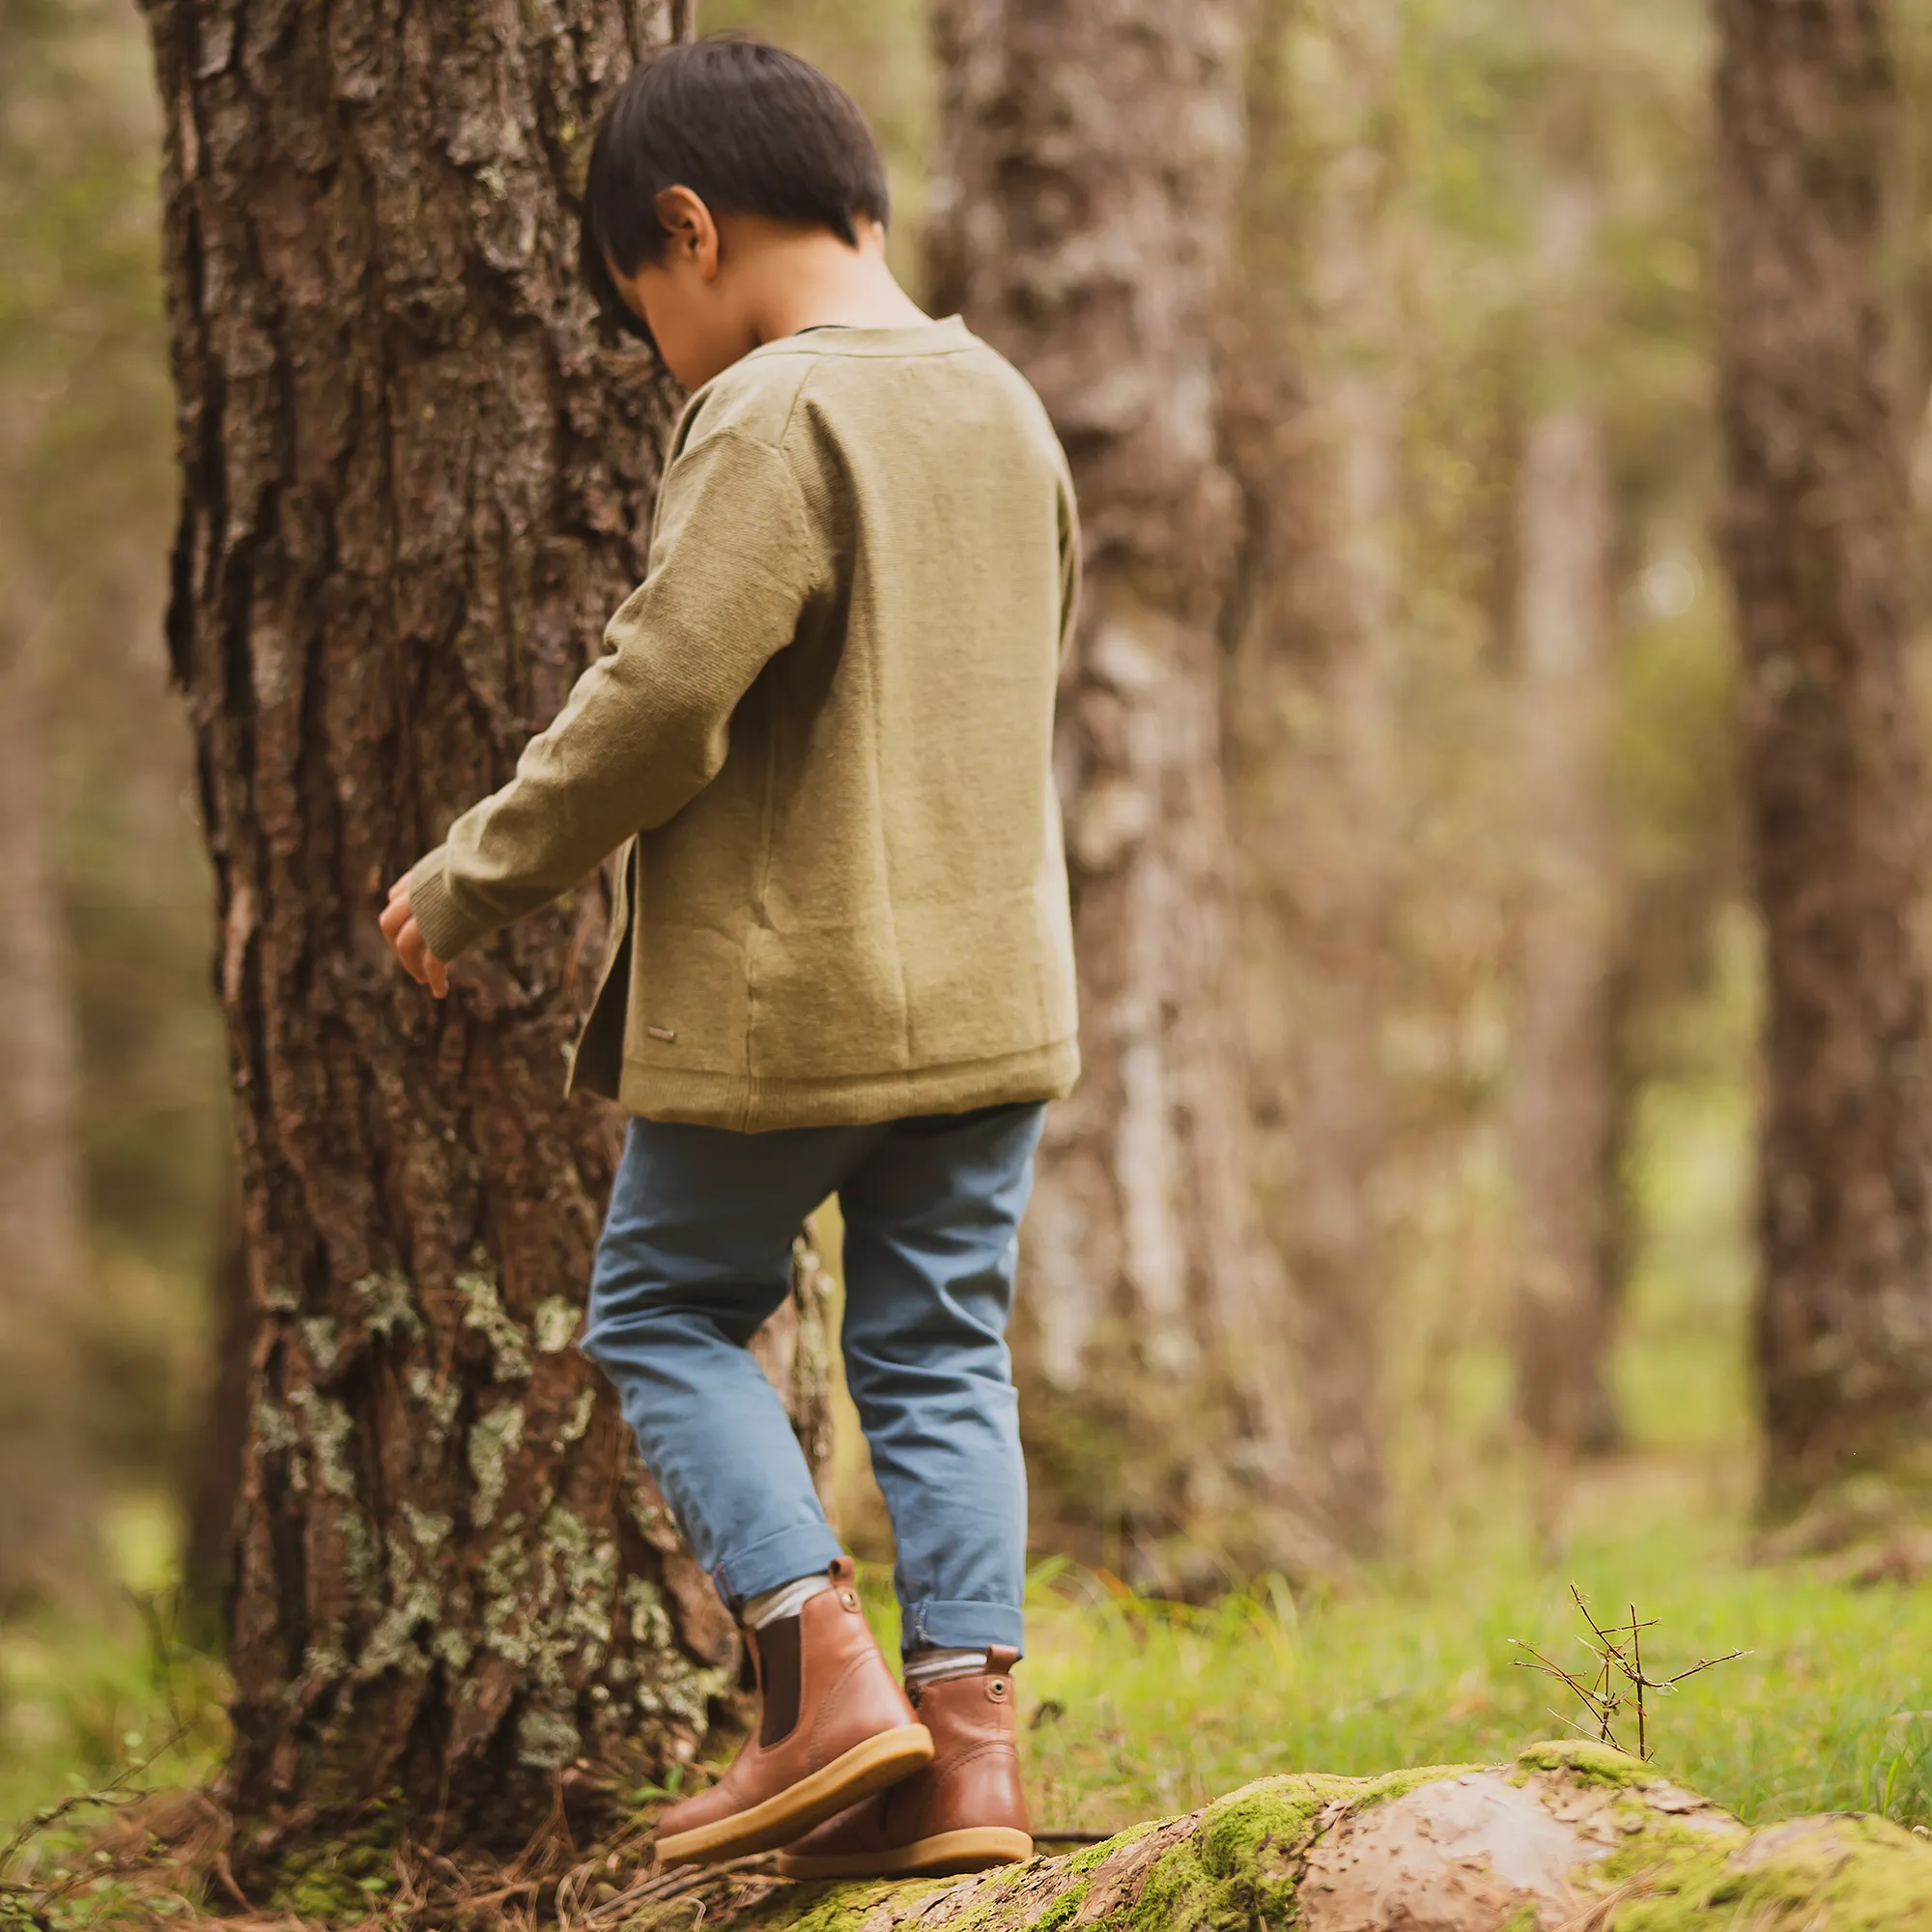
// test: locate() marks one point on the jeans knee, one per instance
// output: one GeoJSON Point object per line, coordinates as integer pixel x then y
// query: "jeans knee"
{"type": "Point", "coordinates": [640, 1318]}
{"type": "Point", "coordinates": [965, 1353]}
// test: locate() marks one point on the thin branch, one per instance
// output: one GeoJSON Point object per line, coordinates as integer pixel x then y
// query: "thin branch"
{"type": "Point", "coordinates": [1569, 1724]}
{"type": "Point", "coordinates": [113, 1792]}
{"type": "Point", "coordinates": [1729, 1657]}
{"type": "Point", "coordinates": [1548, 1669]}
{"type": "Point", "coordinates": [1636, 1654]}
{"type": "Point", "coordinates": [1618, 1652]}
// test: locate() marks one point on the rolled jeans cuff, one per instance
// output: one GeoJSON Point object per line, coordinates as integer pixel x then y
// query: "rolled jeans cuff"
{"type": "Point", "coordinates": [932, 1625]}
{"type": "Point", "coordinates": [803, 1550]}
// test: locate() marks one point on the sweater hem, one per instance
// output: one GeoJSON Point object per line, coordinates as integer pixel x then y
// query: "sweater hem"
{"type": "Point", "coordinates": [748, 1105]}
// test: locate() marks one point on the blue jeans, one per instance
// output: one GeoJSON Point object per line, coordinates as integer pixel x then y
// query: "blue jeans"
{"type": "Point", "coordinates": [697, 1255]}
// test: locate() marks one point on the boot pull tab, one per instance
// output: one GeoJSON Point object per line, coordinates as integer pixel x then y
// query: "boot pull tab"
{"type": "Point", "coordinates": [1000, 1661]}
{"type": "Point", "coordinates": [844, 1577]}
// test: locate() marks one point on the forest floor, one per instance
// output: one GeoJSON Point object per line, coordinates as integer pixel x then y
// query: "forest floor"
{"type": "Point", "coordinates": [1134, 1709]}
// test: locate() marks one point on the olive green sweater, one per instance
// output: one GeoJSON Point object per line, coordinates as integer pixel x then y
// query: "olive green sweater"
{"type": "Point", "coordinates": [825, 723]}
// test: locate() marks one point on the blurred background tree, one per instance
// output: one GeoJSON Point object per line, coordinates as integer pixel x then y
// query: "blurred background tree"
{"type": "Point", "coordinates": [111, 1112]}
{"type": "Point", "coordinates": [1313, 422]}
{"type": "Point", "coordinates": [1564, 1114]}
{"type": "Point", "coordinates": [1817, 527]}
{"type": "Point", "coordinates": [1087, 174]}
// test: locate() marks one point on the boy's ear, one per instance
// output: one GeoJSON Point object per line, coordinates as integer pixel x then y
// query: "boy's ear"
{"type": "Point", "coordinates": [693, 236]}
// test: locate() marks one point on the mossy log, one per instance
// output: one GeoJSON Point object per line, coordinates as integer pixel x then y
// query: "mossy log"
{"type": "Point", "coordinates": [1569, 1838]}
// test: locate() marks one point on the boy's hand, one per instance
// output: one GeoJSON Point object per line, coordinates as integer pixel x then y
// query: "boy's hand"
{"type": "Point", "coordinates": [404, 935]}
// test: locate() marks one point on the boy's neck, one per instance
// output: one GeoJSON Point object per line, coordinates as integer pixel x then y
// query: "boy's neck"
{"type": "Point", "coordinates": [808, 278]}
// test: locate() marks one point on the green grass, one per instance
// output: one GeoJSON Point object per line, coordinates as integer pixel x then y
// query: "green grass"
{"type": "Point", "coordinates": [83, 1697]}
{"type": "Point", "coordinates": [1135, 1709]}
{"type": "Point", "coordinates": [1132, 1707]}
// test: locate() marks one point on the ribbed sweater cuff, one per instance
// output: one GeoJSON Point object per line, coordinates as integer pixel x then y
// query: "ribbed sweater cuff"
{"type": "Point", "coordinates": [447, 929]}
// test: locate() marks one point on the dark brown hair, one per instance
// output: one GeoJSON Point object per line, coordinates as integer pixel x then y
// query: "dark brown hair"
{"type": "Point", "coordinates": [748, 129]}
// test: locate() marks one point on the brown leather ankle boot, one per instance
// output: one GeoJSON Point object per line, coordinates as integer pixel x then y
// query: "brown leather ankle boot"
{"type": "Point", "coordinates": [964, 1812]}
{"type": "Point", "coordinates": [833, 1726]}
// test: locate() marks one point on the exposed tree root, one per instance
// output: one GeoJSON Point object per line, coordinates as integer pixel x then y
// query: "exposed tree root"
{"type": "Point", "coordinates": [1573, 1837]}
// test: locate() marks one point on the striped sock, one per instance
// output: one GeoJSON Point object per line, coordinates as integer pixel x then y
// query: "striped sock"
{"type": "Point", "coordinates": [934, 1666]}
{"type": "Point", "coordinates": [786, 1601]}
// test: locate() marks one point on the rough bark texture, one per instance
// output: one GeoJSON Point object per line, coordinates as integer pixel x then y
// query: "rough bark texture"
{"type": "Point", "coordinates": [1563, 1101]}
{"type": "Point", "coordinates": [218, 1458]}
{"type": "Point", "coordinates": [1815, 538]}
{"type": "Point", "coordinates": [1082, 210]}
{"type": "Point", "coordinates": [414, 489]}
{"type": "Point", "coordinates": [1313, 414]}
{"type": "Point", "coordinates": [1569, 1837]}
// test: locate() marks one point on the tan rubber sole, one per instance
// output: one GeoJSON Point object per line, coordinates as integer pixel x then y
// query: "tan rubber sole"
{"type": "Point", "coordinates": [855, 1773]}
{"type": "Point", "coordinates": [941, 1856]}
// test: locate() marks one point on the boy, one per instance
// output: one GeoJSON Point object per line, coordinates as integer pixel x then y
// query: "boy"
{"type": "Point", "coordinates": [843, 959]}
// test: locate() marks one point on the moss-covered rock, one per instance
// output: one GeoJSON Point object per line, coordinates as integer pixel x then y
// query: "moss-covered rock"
{"type": "Point", "coordinates": [1567, 1835]}
{"type": "Point", "coordinates": [1566, 1838]}
{"type": "Point", "coordinates": [1842, 1874]}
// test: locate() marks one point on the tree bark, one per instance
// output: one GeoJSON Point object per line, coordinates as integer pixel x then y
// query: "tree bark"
{"type": "Point", "coordinates": [414, 488]}
{"type": "Point", "coordinates": [1569, 1834]}
{"type": "Point", "coordinates": [1564, 1113]}
{"type": "Point", "coordinates": [1814, 536]}
{"type": "Point", "coordinates": [218, 1458]}
{"type": "Point", "coordinates": [1082, 214]}
{"type": "Point", "coordinates": [1313, 416]}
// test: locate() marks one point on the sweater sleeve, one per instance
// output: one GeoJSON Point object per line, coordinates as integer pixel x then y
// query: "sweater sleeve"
{"type": "Point", "coordinates": [734, 564]}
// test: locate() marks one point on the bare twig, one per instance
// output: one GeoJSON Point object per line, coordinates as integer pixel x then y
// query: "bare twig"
{"type": "Point", "coordinates": [114, 1792]}
{"type": "Point", "coordinates": [1636, 1654]}
{"type": "Point", "coordinates": [1620, 1680]}
{"type": "Point", "coordinates": [1671, 1683]}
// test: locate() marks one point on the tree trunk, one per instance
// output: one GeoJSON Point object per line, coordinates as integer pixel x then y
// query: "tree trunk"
{"type": "Point", "coordinates": [218, 1457]}
{"type": "Point", "coordinates": [414, 489]}
{"type": "Point", "coordinates": [1314, 421]}
{"type": "Point", "coordinates": [1814, 534]}
{"type": "Point", "coordinates": [1563, 1104]}
{"type": "Point", "coordinates": [1082, 211]}
{"type": "Point", "coordinates": [1569, 1835]}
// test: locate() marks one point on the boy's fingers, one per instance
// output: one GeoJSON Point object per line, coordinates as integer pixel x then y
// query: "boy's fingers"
{"type": "Point", "coordinates": [405, 936]}
{"type": "Point", "coordinates": [425, 968]}
{"type": "Point", "coordinates": [409, 950]}
{"type": "Point", "coordinates": [401, 885]}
